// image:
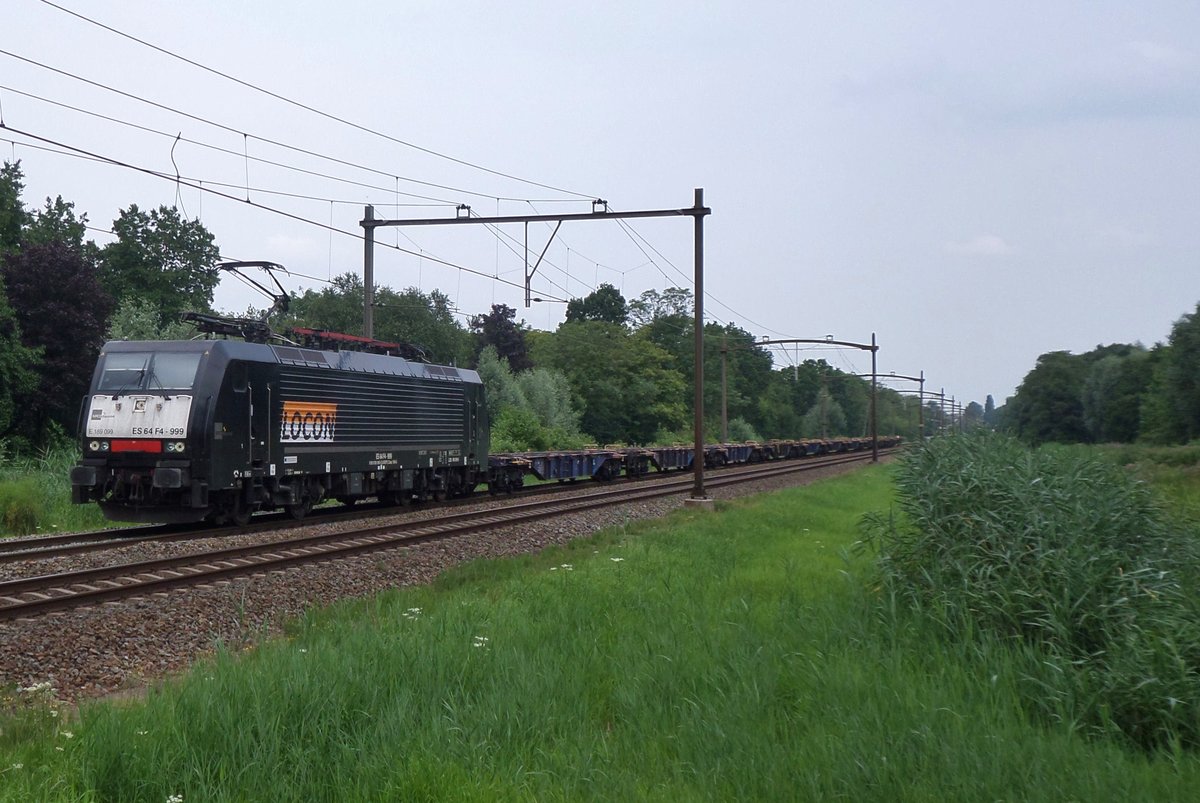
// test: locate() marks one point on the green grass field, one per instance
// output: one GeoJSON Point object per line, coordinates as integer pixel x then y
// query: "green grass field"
{"type": "Point", "coordinates": [743, 655]}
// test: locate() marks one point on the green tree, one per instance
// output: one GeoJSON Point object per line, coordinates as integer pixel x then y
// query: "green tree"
{"type": "Point", "coordinates": [61, 309]}
{"type": "Point", "coordinates": [499, 329]}
{"type": "Point", "coordinates": [532, 410]}
{"type": "Point", "coordinates": [778, 412]}
{"type": "Point", "coordinates": [1182, 375]}
{"type": "Point", "coordinates": [825, 418]}
{"type": "Point", "coordinates": [1112, 396]}
{"type": "Point", "coordinates": [748, 370]}
{"type": "Point", "coordinates": [336, 308]}
{"type": "Point", "coordinates": [1157, 422]}
{"type": "Point", "coordinates": [426, 320]}
{"type": "Point", "coordinates": [626, 386]}
{"type": "Point", "coordinates": [897, 415]}
{"type": "Point", "coordinates": [651, 306]}
{"type": "Point", "coordinates": [13, 216]}
{"type": "Point", "coordinates": [973, 415]}
{"type": "Point", "coordinates": [499, 384]}
{"type": "Point", "coordinates": [1048, 405]}
{"type": "Point", "coordinates": [990, 418]}
{"type": "Point", "coordinates": [18, 365]}
{"type": "Point", "coordinates": [853, 396]}
{"type": "Point", "coordinates": [57, 222]}
{"type": "Point", "coordinates": [163, 258]}
{"type": "Point", "coordinates": [605, 303]}
{"type": "Point", "coordinates": [138, 319]}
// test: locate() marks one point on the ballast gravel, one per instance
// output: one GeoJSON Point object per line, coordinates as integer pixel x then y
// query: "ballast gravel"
{"type": "Point", "coordinates": [121, 648]}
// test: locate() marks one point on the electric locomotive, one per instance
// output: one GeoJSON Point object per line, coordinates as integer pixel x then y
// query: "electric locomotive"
{"type": "Point", "coordinates": [177, 431]}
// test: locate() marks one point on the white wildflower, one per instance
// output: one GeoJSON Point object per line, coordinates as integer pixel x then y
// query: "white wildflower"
{"type": "Point", "coordinates": [141, 733]}
{"type": "Point", "coordinates": [480, 641]}
{"type": "Point", "coordinates": [18, 766]}
{"type": "Point", "coordinates": [616, 560]}
{"type": "Point", "coordinates": [175, 799]}
{"type": "Point", "coordinates": [68, 735]}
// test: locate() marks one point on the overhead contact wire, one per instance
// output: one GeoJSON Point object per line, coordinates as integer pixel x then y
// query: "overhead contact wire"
{"type": "Point", "coordinates": [230, 129]}
{"type": "Point", "coordinates": [298, 218]}
{"type": "Point", "coordinates": [319, 112]}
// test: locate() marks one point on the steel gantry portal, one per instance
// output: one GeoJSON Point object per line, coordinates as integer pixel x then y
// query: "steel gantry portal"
{"type": "Point", "coordinates": [872, 347]}
{"type": "Point", "coordinates": [600, 211]}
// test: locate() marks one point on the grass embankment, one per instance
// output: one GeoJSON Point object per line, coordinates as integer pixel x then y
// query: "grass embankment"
{"type": "Point", "coordinates": [731, 656]}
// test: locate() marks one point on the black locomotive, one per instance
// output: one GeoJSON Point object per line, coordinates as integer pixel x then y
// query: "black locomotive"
{"type": "Point", "coordinates": [176, 431]}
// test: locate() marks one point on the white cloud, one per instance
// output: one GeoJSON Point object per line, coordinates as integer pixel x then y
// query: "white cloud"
{"type": "Point", "coordinates": [988, 245]}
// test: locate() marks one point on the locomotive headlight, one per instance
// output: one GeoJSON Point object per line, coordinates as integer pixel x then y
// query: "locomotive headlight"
{"type": "Point", "coordinates": [94, 446]}
{"type": "Point", "coordinates": [170, 447]}
{"type": "Point", "coordinates": [104, 446]}
{"type": "Point", "coordinates": [179, 446]}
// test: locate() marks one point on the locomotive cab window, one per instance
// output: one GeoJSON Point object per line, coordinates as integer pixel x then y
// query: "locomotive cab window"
{"type": "Point", "coordinates": [135, 371]}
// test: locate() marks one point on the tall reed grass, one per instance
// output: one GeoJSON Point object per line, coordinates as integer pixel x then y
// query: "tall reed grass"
{"type": "Point", "coordinates": [35, 493]}
{"type": "Point", "coordinates": [1068, 561]}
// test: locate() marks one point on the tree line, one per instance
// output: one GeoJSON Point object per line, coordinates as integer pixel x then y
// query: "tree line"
{"type": "Point", "coordinates": [1120, 393]}
{"type": "Point", "coordinates": [615, 371]}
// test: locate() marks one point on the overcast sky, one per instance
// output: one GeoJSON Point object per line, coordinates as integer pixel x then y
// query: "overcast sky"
{"type": "Point", "coordinates": [976, 183]}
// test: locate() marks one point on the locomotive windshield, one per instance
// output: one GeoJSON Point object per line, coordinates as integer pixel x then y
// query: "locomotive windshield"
{"type": "Point", "coordinates": [145, 370]}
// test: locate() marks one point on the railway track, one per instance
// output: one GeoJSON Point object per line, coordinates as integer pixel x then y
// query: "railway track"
{"type": "Point", "coordinates": [34, 596]}
{"type": "Point", "coordinates": [14, 550]}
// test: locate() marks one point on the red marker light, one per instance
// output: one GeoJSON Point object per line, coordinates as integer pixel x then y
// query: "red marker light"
{"type": "Point", "coordinates": [137, 446]}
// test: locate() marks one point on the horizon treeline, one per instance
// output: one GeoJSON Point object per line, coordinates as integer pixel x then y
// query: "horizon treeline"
{"type": "Point", "coordinates": [1120, 393]}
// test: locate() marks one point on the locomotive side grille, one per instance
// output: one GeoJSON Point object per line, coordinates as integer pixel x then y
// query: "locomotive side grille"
{"type": "Point", "coordinates": [373, 409]}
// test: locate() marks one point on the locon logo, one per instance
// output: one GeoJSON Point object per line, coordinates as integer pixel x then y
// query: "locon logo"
{"type": "Point", "coordinates": [307, 422]}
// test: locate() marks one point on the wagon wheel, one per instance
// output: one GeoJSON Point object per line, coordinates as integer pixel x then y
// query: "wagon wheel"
{"type": "Point", "coordinates": [239, 516]}
{"type": "Point", "coordinates": [302, 508]}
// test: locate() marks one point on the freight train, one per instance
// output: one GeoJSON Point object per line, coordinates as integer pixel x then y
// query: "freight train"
{"type": "Point", "coordinates": [217, 429]}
